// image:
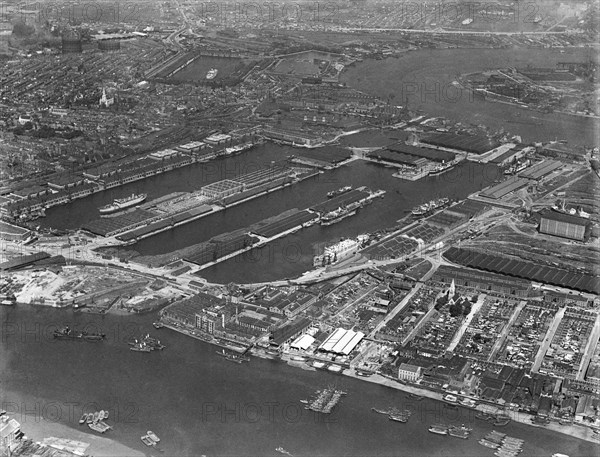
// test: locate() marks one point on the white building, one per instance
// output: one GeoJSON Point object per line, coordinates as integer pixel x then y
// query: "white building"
{"type": "Point", "coordinates": [10, 430]}
{"type": "Point", "coordinates": [408, 372]}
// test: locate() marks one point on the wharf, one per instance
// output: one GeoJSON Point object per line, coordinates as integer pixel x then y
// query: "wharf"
{"type": "Point", "coordinates": [411, 176]}
{"type": "Point", "coordinates": [156, 224]}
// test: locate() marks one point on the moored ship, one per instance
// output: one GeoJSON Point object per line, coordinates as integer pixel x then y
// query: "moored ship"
{"type": "Point", "coordinates": [122, 203]}
{"type": "Point", "coordinates": [239, 148]}
{"type": "Point", "coordinates": [428, 208]}
{"type": "Point", "coordinates": [444, 167]}
{"type": "Point", "coordinates": [340, 191]}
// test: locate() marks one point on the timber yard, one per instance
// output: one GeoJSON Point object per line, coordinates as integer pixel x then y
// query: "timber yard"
{"type": "Point", "coordinates": [415, 247]}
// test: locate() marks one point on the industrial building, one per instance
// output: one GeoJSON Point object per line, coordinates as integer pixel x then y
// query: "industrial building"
{"type": "Point", "coordinates": [12, 232]}
{"type": "Point", "coordinates": [564, 225]}
{"type": "Point", "coordinates": [342, 341]}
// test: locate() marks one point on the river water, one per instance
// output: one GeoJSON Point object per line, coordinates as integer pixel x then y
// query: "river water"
{"type": "Point", "coordinates": [199, 403]}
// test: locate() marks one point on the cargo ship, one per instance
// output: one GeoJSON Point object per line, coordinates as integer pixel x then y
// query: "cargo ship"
{"type": "Point", "coordinates": [239, 148]}
{"type": "Point", "coordinates": [212, 74]}
{"type": "Point", "coordinates": [340, 191]}
{"type": "Point", "coordinates": [429, 207]}
{"type": "Point", "coordinates": [340, 251]}
{"type": "Point", "coordinates": [122, 203]}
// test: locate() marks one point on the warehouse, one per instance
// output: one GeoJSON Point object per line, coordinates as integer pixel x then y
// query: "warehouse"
{"type": "Point", "coordinates": [342, 341]}
{"type": "Point", "coordinates": [564, 225]}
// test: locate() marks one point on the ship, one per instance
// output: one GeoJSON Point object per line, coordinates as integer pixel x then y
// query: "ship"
{"type": "Point", "coordinates": [67, 333]}
{"type": "Point", "coordinates": [212, 74]}
{"type": "Point", "coordinates": [428, 208]}
{"type": "Point", "coordinates": [339, 251]}
{"type": "Point", "coordinates": [451, 399]}
{"type": "Point", "coordinates": [439, 429]}
{"type": "Point", "coordinates": [122, 203]}
{"type": "Point", "coordinates": [340, 191]}
{"type": "Point", "coordinates": [239, 148]}
{"type": "Point", "coordinates": [337, 215]}
{"type": "Point", "coordinates": [460, 432]}
{"type": "Point", "coordinates": [516, 168]}
{"type": "Point", "coordinates": [444, 167]}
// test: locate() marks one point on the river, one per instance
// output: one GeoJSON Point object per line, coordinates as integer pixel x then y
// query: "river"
{"type": "Point", "coordinates": [198, 403]}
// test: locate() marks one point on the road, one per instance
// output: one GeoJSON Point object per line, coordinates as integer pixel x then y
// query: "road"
{"type": "Point", "coordinates": [463, 328]}
{"type": "Point", "coordinates": [589, 350]}
{"type": "Point", "coordinates": [547, 340]}
{"type": "Point", "coordinates": [399, 307]}
{"type": "Point", "coordinates": [506, 330]}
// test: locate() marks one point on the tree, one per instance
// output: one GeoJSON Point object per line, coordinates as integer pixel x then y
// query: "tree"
{"type": "Point", "coordinates": [466, 308]}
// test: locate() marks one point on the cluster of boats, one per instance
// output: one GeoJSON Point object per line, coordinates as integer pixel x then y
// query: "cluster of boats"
{"type": "Point", "coordinates": [325, 400]}
{"type": "Point", "coordinates": [428, 208]}
{"type": "Point", "coordinates": [95, 421]}
{"type": "Point", "coordinates": [150, 439]}
{"type": "Point", "coordinates": [394, 414]}
{"type": "Point", "coordinates": [462, 431]}
{"type": "Point", "coordinates": [506, 446]}
{"type": "Point", "coordinates": [123, 203]}
{"type": "Point", "coordinates": [146, 344]}
{"type": "Point", "coordinates": [67, 333]}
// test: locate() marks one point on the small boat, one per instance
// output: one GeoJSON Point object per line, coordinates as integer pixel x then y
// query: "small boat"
{"type": "Point", "coordinates": [101, 415]}
{"type": "Point", "coordinates": [96, 416]}
{"type": "Point", "coordinates": [283, 451]}
{"type": "Point", "coordinates": [158, 325]}
{"type": "Point", "coordinates": [105, 414]}
{"type": "Point", "coordinates": [398, 418]}
{"type": "Point", "coordinates": [489, 444]}
{"type": "Point", "coordinates": [90, 418]}
{"type": "Point", "coordinates": [150, 434]}
{"type": "Point", "coordinates": [83, 419]}
{"type": "Point", "coordinates": [304, 401]}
